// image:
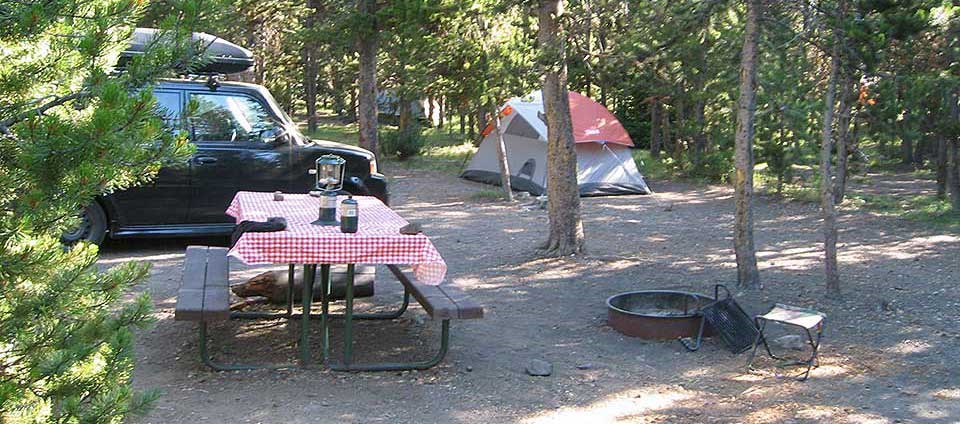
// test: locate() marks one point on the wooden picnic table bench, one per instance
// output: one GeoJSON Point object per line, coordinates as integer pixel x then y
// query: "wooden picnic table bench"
{"type": "Point", "coordinates": [440, 302]}
{"type": "Point", "coordinates": [204, 293]}
{"type": "Point", "coordinates": [204, 297]}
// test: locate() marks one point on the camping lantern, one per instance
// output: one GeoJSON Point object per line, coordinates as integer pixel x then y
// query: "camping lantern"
{"type": "Point", "coordinates": [329, 172]}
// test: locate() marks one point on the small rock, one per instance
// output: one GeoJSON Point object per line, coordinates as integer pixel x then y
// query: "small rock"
{"type": "Point", "coordinates": [585, 366]}
{"type": "Point", "coordinates": [885, 306]}
{"type": "Point", "coordinates": [539, 368]}
{"type": "Point", "coordinates": [791, 341]}
{"type": "Point", "coordinates": [541, 202]}
{"type": "Point", "coordinates": [469, 368]}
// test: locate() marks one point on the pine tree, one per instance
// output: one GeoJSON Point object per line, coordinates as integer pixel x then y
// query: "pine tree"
{"type": "Point", "coordinates": [71, 130]}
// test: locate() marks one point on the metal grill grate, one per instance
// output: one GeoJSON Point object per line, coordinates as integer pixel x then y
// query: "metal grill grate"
{"type": "Point", "coordinates": [730, 322]}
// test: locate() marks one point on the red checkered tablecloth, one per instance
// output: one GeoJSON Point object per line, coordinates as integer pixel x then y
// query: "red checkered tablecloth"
{"type": "Point", "coordinates": [377, 241]}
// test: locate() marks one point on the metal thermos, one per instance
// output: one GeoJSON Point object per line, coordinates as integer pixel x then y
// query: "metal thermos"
{"type": "Point", "coordinates": [348, 215]}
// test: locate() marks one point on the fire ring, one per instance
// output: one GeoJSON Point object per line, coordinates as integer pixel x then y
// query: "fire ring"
{"type": "Point", "coordinates": [657, 314]}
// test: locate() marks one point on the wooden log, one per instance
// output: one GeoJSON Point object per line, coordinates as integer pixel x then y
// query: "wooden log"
{"type": "Point", "coordinates": [273, 284]}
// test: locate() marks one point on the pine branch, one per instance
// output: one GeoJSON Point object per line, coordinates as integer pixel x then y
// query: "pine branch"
{"type": "Point", "coordinates": [39, 110]}
{"type": "Point", "coordinates": [698, 19]}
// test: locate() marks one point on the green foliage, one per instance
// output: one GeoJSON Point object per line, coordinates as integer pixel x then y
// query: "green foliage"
{"type": "Point", "coordinates": [401, 144]}
{"type": "Point", "coordinates": [714, 167]}
{"type": "Point", "coordinates": [69, 131]}
{"type": "Point", "coordinates": [650, 168]}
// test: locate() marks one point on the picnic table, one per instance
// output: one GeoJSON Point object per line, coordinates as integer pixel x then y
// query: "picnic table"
{"type": "Point", "coordinates": [377, 241]}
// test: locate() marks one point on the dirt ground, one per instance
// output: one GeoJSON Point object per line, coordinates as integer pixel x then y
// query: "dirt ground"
{"type": "Point", "coordinates": [890, 350]}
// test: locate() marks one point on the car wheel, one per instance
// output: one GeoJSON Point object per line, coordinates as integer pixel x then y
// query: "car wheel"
{"type": "Point", "coordinates": [92, 228]}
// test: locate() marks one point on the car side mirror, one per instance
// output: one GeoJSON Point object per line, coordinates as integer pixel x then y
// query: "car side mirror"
{"type": "Point", "coordinates": [276, 136]}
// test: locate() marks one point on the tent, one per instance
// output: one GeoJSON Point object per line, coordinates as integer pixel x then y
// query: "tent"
{"type": "Point", "coordinates": [605, 165]}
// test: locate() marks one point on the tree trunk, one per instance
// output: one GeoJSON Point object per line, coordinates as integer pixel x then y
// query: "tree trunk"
{"type": "Point", "coordinates": [352, 107]}
{"type": "Point", "coordinates": [906, 146]}
{"type": "Point", "coordinates": [782, 150]}
{"type": "Point", "coordinates": [953, 174]}
{"type": "Point", "coordinates": [310, 86]}
{"type": "Point", "coordinates": [405, 121]}
{"type": "Point", "coordinates": [826, 178]}
{"type": "Point", "coordinates": [665, 129]}
{"type": "Point", "coordinates": [748, 276]}
{"type": "Point", "coordinates": [700, 141]}
{"type": "Point", "coordinates": [919, 150]}
{"type": "Point", "coordinates": [680, 133]}
{"type": "Point", "coordinates": [481, 118]}
{"type": "Point", "coordinates": [441, 110]}
{"type": "Point", "coordinates": [847, 99]}
{"type": "Point", "coordinates": [563, 194]}
{"type": "Point", "coordinates": [953, 168]}
{"type": "Point", "coordinates": [310, 69]}
{"type": "Point", "coordinates": [906, 139]}
{"type": "Point", "coordinates": [463, 121]}
{"type": "Point", "coordinates": [253, 43]}
{"type": "Point", "coordinates": [339, 107]}
{"type": "Point", "coordinates": [471, 128]}
{"type": "Point", "coordinates": [501, 154]}
{"type": "Point", "coordinates": [655, 141]}
{"type": "Point", "coordinates": [431, 109]}
{"type": "Point", "coordinates": [367, 47]}
{"type": "Point", "coordinates": [699, 104]}
{"type": "Point", "coordinates": [941, 166]}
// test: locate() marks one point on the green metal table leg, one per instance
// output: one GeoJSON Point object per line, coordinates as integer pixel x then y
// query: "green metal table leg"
{"type": "Point", "coordinates": [309, 271]}
{"type": "Point", "coordinates": [290, 275]}
{"type": "Point", "coordinates": [325, 309]}
{"type": "Point", "coordinates": [348, 319]}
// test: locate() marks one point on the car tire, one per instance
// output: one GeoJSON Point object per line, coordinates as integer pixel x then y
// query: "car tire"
{"type": "Point", "coordinates": [93, 227]}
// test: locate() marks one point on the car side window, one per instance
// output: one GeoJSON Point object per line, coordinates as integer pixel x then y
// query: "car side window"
{"type": "Point", "coordinates": [168, 108]}
{"type": "Point", "coordinates": [226, 117]}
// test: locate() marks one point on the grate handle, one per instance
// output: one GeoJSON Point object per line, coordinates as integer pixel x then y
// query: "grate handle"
{"type": "Point", "coordinates": [716, 291]}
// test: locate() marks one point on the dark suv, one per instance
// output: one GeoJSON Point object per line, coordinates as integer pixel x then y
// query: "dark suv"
{"type": "Point", "coordinates": [244, 142]}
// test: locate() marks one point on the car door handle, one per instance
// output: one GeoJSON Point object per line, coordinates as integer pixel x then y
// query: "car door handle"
{"type": "Point", "coordinates": [204, 160]}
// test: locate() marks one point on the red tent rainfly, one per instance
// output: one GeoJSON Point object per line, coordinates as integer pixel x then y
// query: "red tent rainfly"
{"type": "Point", "coordinates": [604, 163]}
